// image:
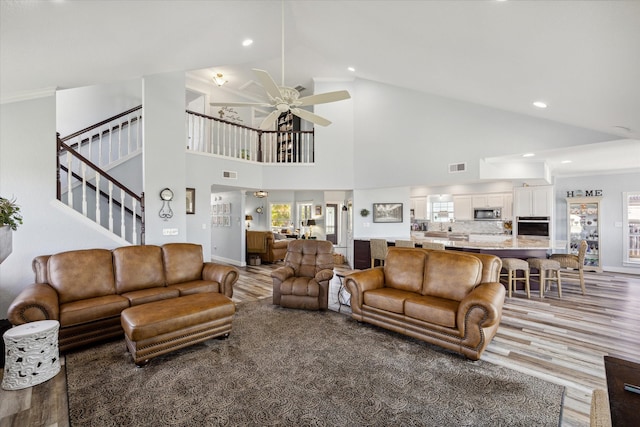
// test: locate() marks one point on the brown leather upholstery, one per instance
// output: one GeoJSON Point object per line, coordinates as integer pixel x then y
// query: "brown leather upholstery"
{"type": "Point", "coordinates": [303, 282]}
{"type": "Point", "coordinates": [263, 243]}
{"type": "Point", "coordinates": [86, 290]}
{"type": "Point", "coordinates": [448, 298]}
{"type": "Point", "coordinates": [160, 327]}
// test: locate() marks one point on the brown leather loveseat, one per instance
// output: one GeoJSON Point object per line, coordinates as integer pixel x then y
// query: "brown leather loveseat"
{"type": "Point", "coordinates": [264, 244]}
{"type": "Point", "coordinates": [448, 298]}
{"type": "Point", "coordinates": [86, 290]}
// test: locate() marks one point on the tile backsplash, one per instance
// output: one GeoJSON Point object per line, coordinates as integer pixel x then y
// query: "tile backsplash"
{"type": "Point", "coordinates": [467, 227]}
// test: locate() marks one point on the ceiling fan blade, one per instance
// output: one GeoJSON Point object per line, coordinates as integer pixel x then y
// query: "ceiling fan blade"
{"type": "Point", "coordinates": [267, 82]}
{"type": "Point", "coordinates": [323, 98]}
{"type": "Point", "coordinates": [269, 120]}
{"type": "Point", "coordinates": [310, 117]}
{"type": "Point", "coordinates": [239, 104]}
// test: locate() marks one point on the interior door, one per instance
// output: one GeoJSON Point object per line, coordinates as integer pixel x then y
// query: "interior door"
{"type": "Point", "coordinates": [331, 218]}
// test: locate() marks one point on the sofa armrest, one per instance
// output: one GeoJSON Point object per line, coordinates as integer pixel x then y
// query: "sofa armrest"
{"type": "Point", "coordinates": [37, 301]}
{"type": "Point", "coordinates": [358, 283]}
{"type": "Point", "coordinates": [324, 275]}
{"type": "Point", "coordinates": [489, 297]}
{"type": "Point", "coordinates": [226, 275]}
{"type": "Point", "coordinates": [282, 273]}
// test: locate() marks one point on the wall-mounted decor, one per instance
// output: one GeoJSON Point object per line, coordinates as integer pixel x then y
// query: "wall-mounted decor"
{"type": "Point", "coordinates": [318, 210]}
{"type": "Point", "coordinates": [364, 212]}
{"type": "Point", "coordinates": [191, 201]}
{"type": "Point", "coordinates": [166, 195]}
{"type": "Point", "coordinates": [387, 212]}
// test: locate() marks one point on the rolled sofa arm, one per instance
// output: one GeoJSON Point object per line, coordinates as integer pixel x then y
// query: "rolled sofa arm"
{"type": "Point", "coordinates": [37, 301]}
{"type": "Point", "coordinates": [488, 296]}
{"type": "Point", "coordinates": [226, 275]}
{"type": "Point", "coordinates": [359, 282]}
{"type": "Point", "coordinates": [324, 275]}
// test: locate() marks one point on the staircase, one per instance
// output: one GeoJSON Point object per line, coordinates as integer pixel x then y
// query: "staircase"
{"type": "Point", "coordinates": [88, 162]}
{"type": "Point", "coordinates": [97, 170]}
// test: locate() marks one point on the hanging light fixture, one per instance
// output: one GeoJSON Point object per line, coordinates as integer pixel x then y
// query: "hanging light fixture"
{"type": "Point", "coordinates": [219, 80]}
{"type": "Point", "coordinates": [261, 194]}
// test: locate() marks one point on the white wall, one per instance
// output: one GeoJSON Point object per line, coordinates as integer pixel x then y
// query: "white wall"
{"type": "Point", "coordinates": [79, 108]}
{"type": "Point", "coordinates": [364, 227]}
{"type": "Point", "coordinates": [27, 172]}
{"type": "Point", "coordinates": [611, 215]}
{"type": "Point", "coordinates": [404, 137]}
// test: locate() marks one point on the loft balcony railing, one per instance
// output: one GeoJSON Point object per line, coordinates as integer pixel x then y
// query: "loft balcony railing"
{"type": "Point", "coordinates": [210, 135]}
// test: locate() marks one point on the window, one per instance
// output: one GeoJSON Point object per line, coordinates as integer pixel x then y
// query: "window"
{"type": "Point", "coordinates": [631, 216]}
{"type": "Point", "coordinates": [441, 211]}
{"type": "Point", "coordinates": [281, 215]}
{"type": "Point", "coordinates": [304, 213]}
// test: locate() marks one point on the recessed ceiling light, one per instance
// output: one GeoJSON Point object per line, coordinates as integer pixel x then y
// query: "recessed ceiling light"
{"type": "Point", "coordinates": [540, 104]}
{"type": "Point", "coordinates": [528, 155]}
{"type": "Point", "coordinates": [247, 42]}
{"type": "Point", "coordinates": [564, 162]}
{"type": "Point", "coordinates": [351, 69]}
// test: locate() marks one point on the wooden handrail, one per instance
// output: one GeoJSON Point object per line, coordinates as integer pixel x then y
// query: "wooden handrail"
{"type": "Point", "coordinates": [106, 131]}
{"type": "Point", "coordinates": [95, 168]}
{"type": "Point", "coordinates": [104, 122]}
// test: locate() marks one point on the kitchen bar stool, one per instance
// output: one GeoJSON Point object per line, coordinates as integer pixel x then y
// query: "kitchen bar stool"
{"type": "Point", "coordinates": [545, 267]}
{"type": "Point", "coordinates": [433, 245]}
{"type": "Point", "coordinates": [405, 244]}
{"type": "Point", "coordinates": [378, 251]}
{"type": "Point", "coordinates": [512, 265]}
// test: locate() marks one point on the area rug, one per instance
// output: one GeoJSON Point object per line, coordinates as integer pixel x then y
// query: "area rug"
{"type": "Point", "coordinates": [293, 368]}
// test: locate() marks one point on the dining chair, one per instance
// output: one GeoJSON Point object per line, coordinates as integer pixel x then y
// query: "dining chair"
{"type": "Point", "coordinates": [379, 250]}
{"type": "Point", "coordinates": [573, 264]}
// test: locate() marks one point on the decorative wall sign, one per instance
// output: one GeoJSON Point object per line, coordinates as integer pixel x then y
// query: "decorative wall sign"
{"type": "Point", "coordinates": [387, 212]}
{"type": "Point", "coordinates": [585, 193]}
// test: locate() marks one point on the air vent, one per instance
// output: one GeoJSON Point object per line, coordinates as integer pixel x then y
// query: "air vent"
{"type": "Point", "coordinates": [457, 167]}
{"type": "Point", "coordinates": [230, 174]}
{"type": "Point", "coordinates": [300, 88]}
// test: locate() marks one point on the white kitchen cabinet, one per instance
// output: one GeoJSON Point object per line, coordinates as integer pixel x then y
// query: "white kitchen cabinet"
{"type": "Point", "coordinates": [462, 208]}
{"type": "Point", "coordinates": [507, 206]}
{"type": "Point", "coordinates": [487, 200]}
{"type": "Point", "coordinates": [533, 201]}
{"type": "Point", "coordinates": [419, 206]}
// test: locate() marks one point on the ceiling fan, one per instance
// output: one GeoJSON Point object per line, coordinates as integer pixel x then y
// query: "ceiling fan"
{"type": "Point", "coordinates": [284, 99]}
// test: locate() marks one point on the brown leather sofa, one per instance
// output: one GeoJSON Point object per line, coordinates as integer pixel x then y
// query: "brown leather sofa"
{"type": "Point", "coordinates": [303, 281]}
{"type": "Point", "coordinates": [448, 298]}
{"type": "Point", "coordinates": [86, 290]}
{"type": "Point", "coordinates": [263, 244]}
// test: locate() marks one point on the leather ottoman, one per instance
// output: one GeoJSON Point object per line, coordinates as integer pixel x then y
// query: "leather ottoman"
{"type": "Point", "coordinates": [160, 327]}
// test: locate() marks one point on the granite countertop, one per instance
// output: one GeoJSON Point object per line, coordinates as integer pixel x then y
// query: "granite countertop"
{"type": "Point", "coordinates": [493, 242]}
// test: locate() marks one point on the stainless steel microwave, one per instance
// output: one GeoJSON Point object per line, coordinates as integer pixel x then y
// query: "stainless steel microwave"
{"type": "Point", "coordinates": [487, 214]}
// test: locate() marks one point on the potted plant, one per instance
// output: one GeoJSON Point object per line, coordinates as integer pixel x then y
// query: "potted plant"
{"type": "Point", "coordinates": [10, 218]}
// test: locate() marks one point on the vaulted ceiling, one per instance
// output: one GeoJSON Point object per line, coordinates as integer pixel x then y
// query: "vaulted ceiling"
{"type": "Point", "coordinates": [580, 57]}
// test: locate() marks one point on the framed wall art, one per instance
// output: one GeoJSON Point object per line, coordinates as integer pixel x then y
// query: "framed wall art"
{"type": "Point", "coordinates": [387, 212]}
{"type": "Point", "coordinates": [191, 201]}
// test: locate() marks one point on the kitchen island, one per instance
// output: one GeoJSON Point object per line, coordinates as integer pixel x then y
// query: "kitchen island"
{"type": "Point", "coordinates": [501, 246]}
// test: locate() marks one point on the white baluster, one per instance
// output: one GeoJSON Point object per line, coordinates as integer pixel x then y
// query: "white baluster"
{"type": "Point", "coordinates": [69, 179]}
{"type": "Point", "coordinates": [122, 210]}
{"type": "Point", "coordinates": [134, 232]}
{"type": "Point", "coordinates": [110, 147]}
{"type": "Point", "coordinates": [119, 153]}
{"type": "Point", "coordinates": [111, 206]}
{"type": "Point", "coordinates": [129, 148]}
{"type": "Point", "coordinates": [98, 199]}
{"type": "Point", "coordinates": [83, 172]}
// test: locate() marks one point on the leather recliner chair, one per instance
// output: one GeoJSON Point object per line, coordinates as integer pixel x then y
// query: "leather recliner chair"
{"type": "Point", "coordinates": [303, 281]}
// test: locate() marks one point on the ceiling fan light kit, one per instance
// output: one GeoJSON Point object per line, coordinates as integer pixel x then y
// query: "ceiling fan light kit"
{"type": "Point", "coordinates": [284, 99]}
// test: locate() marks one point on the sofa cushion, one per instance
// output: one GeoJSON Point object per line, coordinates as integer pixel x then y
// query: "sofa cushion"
{"type": "Point", "coordinates": [300, 286]}
{"type": "Point", "coordinates": [144, 296]}
{"type": "Point", "coordinates": [388, 299]}
{"type": "Point", "coordinates": [404, 269]}
{"type": "Point", "coordinates": [195, 287]}
{"type": "Point", "coordinates": [92, 309]}
{"type": "Point", "coordinates": [83, 274]}
{"type": "Point", "coordinates": [182, 262]}
{"type": "Point", "coordinates": [451, 275]}
{"type": "Point", "coordinates": [138, 267]}
{"type": "Point", "coordinates": [436, 310]}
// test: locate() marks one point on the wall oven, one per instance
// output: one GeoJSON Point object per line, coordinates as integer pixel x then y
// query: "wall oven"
{"type": "Point", "coordinates": [538, 227]}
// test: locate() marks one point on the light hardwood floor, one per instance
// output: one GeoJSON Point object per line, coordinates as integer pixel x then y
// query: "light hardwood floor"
{"type": "Point", "coordinates": [560, 340]}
